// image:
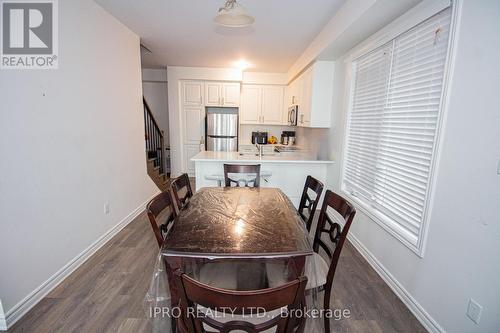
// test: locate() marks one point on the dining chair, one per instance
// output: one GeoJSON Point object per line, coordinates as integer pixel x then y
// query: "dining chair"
{"type": "Point", "coordinates": [308, 205]}
{"type": "Point", "coordinates": [181, 189]}
{"type": "Point", "coordinates": [161, 213]}
{"type": "Point", "coordinates": [330, 237]}
{"type": "Point", "coordinates": [242, 169]}
{"type": "Point", "coordinates": [332, 244]}
{"type": "Point", "coordinates": [205, 300]}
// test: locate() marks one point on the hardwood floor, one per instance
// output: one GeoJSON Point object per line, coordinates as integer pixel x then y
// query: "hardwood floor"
{"type": "Point", "coordinates": [106, 293]}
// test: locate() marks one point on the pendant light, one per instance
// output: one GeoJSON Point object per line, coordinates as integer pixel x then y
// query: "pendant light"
{"type": "Point", "coordinates": [233, 15]}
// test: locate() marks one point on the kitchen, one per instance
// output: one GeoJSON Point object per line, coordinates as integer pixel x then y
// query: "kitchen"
{"type": "Point", "coordinates": [269, 123]}
{"type": "Point", "coordinates": [331, 157]}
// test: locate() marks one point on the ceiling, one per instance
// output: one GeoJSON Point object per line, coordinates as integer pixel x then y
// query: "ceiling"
{"type": "Point", "coordinates": [182, 32]}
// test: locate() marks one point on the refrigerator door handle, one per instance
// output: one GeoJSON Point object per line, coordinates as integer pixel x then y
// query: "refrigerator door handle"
{"type": "Point", "coordinates": [222, 136]}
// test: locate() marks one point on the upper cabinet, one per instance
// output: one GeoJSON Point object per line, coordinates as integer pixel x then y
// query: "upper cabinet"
{"type": "Point", "coordinates": [312, 91]}
{"type": "Point", "coordinates": [192, 93]}
{"type": "Point", "coordinates": [213, 92]}
{"type": "Point", "coordinates": [251, 104]}
{"type": "Point", "coordinates": [222, 94]}
{"type": "Point", "coordinates": [262, 104]}
{"type": "Point", "coordinates": [293, 94]}
{"type": "Point", "coordinates": [272, 105]}
{"type": "Point", "coordinates": [304, 117]}
{"type": "Point", "coordinates": [231, 93]}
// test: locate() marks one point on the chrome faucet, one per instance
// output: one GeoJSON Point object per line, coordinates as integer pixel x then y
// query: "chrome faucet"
{"type": "Point", "coordinates": [259, 149]}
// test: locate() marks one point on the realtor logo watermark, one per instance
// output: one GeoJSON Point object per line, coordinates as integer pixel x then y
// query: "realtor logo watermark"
{"type": "Point", "coordinates": [29, 34]}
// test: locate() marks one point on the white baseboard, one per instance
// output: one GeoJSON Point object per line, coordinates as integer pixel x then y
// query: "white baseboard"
{"type": "Point", "coordinates": [21, 308]}
{"type": "Point", "coordinates": [411, 303]}
{"type": "Point", "coordinates": [3, 322]}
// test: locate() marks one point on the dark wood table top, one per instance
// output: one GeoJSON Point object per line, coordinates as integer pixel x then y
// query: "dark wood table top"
{"type": "Point", "coordinates": [238, 222]}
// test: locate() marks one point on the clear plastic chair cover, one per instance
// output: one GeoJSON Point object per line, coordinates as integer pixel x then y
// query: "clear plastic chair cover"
{"type": "Point", "coordinates": [236, 239]}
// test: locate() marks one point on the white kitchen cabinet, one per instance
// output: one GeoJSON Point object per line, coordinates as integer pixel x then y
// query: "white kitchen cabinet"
{"type": "Point", "coordinates": [293, 93]}
{"type": "Point", "coordinates": [192, 93]}
{"type": "Point", "coordinates": [194, 127]}
{"type": "Point", "coordinates": [231, 93]}
{"type": "Point", "coordinates": [272, 105]}
{"type": "Point", "coordinates": [304, 116]}
{"type": "Point", "coordinates": [251, 104]}
{"type": "Point", "coordinates": [195, 96]}
{"type": "Point", "coordinates": [262, 104]}
{"type": "Point", "coordinates": [213, 93]}
{"type": "Point", "coordinates": [312, 91]}
{"type": "Point", "coordinates": [222, 94]}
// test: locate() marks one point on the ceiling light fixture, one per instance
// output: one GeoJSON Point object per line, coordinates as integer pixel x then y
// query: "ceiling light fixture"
{"type": "Point", "coordinates": [233, 15]}
{"type": "Point", "coordinates": [241, 65]}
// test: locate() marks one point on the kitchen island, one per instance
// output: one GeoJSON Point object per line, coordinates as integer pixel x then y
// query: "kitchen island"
{"type": "Point", "coordinates": [286, 171]}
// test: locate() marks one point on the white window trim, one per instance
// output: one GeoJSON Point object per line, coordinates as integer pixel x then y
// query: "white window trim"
{"type": "Point", "coordinates": [418, 14]}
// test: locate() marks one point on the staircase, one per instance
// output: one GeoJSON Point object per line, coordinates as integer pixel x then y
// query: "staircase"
{"type": "Point", "coordinates": [155, 150]}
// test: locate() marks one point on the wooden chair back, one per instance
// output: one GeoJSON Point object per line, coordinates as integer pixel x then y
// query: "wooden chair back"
{"type": "Point", "coordinates": [336, 237]}
{"type": "Point", "coordinates": [161, 207]}
{"type": "Point", "coordinates": [194, 293]}
{"type": "Point", "coordinates": [181, 189]}
{"type": "Point", "coordinates": [247, 169]}
{"type": "Point", "coordinates": [307, 203]}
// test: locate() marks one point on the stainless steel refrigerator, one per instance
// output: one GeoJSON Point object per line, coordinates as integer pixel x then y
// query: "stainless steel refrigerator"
{"type": "Point", "coordinates": [221, 129]}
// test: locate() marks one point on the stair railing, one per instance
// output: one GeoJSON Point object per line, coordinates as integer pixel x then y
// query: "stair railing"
{"type": "Point", "coordinates": [154, 138]}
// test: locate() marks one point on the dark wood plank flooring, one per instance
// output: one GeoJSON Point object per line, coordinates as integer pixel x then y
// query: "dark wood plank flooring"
{"type": "Point", "coordinates": [106, 293]}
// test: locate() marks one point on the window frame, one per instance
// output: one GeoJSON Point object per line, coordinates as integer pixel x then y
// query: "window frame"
{"type": "Point", "coordinates": [414, 17]}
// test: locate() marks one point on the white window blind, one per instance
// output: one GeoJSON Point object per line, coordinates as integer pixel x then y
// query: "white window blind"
{"type": "Point", "coordinates": [393, 122]}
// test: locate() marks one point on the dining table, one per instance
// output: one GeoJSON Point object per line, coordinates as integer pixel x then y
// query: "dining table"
{"type": "Point", "coordinates": [228, 237]}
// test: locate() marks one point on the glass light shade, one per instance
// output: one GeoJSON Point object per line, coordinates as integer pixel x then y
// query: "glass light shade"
{"type": "Point", "coordinates": [234, 17]}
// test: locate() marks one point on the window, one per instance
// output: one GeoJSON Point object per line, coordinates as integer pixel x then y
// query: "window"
{"type": "Point", "coordinates": [392, 127]}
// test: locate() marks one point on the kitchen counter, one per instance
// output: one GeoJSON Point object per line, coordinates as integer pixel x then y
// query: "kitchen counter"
{"type": "Point", "coordinates": [287, 157]}
{"type": "Point", "coordinates": [286, 170]}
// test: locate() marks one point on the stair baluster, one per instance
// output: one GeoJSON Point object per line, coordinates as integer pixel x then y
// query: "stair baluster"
{"type": "Point", "coordinates": [154, 138]}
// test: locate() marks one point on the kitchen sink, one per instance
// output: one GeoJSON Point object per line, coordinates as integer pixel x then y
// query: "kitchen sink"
{"type": "Point", "coordinates": [256, 154]}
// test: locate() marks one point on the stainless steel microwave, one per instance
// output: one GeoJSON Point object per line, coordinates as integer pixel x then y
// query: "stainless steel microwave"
{"type": "Point", "coordinates": [293, 114]}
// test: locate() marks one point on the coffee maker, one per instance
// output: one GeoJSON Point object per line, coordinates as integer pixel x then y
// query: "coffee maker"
{"type": "Point", "coordinates": [288, 138]}
{"type": "Point", "coordinates": [259, 137]}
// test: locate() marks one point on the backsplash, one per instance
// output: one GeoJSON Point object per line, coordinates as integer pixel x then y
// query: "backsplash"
{"type": "Point", "coordinates": [246, 131]}
{"type": "Point", "coordinates": [311, 139]}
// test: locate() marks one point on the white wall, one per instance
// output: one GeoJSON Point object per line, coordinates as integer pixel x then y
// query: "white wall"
{"type": "Point", "coordinates": [352, 23]}
{"type": "Point", "coordinates": [70, 140]}
{"type": "Point", "coordinates": [461, 257]}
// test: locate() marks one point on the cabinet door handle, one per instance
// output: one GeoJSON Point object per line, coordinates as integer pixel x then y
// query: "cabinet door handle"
{"type": "Point", "coordinates": [222, 100]}
{"type": "Point", "coordinates": [262, 118]}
